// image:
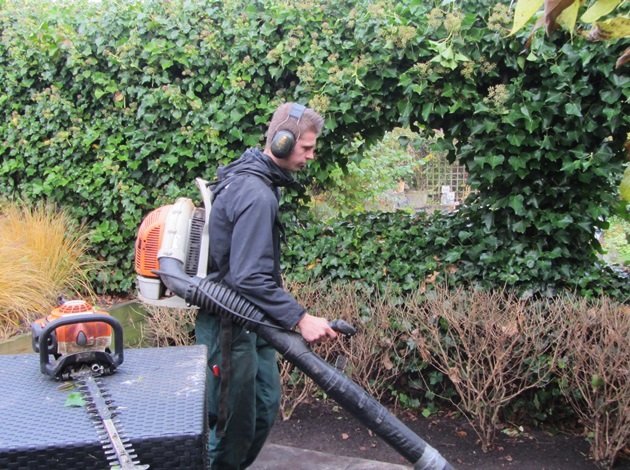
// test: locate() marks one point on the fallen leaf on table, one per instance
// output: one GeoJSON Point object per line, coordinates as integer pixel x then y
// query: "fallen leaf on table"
{"type": "Point", "coordinates": [74, 400]}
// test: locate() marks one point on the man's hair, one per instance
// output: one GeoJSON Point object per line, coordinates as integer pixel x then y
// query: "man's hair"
{"type": "Point", "coordinates": [280, 121]}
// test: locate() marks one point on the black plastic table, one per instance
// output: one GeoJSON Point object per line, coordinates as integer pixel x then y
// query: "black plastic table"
{"type": "Point", "coordinates": [160, 394]}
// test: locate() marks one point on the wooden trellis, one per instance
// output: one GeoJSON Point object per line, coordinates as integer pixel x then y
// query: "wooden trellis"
{"type": "Point", "coordinates": [438, 176]}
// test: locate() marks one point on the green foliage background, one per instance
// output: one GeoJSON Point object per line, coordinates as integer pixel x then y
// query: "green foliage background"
{"type": "Point", "coordinates": [113, 108]}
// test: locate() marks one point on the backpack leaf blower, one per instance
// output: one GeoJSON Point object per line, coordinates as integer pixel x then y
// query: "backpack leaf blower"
{"type": "Point", "coordinates": [171, 258]}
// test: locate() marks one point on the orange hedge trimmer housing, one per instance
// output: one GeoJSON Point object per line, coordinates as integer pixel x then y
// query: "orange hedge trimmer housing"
{"type": "Point", "coordinates": [76, 337]}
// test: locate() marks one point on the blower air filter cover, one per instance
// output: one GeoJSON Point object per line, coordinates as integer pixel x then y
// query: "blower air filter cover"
{"type": "Point", "coordinates": [148, 242]}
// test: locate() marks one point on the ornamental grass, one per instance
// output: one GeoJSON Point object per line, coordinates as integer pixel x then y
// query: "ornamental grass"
{"type": "Point", "coordinates": [43, 256]}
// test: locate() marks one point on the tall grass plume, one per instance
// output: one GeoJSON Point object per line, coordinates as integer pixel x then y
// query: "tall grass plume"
{"type": "Point", "coordinates": [43, 255]}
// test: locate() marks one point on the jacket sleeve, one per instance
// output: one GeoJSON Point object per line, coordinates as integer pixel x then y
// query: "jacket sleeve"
{"type": "Point", "coordinates": [252, 260]}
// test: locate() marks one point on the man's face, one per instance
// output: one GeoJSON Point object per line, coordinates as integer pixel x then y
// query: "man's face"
{"type": "Point", "coordinates": [303, 152]}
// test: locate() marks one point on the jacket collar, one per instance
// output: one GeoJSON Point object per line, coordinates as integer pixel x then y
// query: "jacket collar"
{"type": "Point", "coordinates": [254, 161]}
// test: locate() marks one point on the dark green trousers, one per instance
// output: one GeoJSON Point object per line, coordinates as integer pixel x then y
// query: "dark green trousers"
{"type": "Point", "coordinates": [253, 398]}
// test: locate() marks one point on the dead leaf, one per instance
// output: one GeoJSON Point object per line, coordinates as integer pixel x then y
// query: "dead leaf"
{"type": "Point", "coordinates": [615, 28]}
{"type": "Point", "coordinates": [451, 268]}
{"type": "Point", "coordinates": [568, 17]}
{"type": "Point", "coordinates": [461, 433]}
{"type": "Point", "coordinates": [598, 9]}
{"type": "Point", "coordinates": [596, 34]}
{"type": "Point", "coordinates": [510, 329]}
{"type": "Point", "coordinates": [431, 278]}
{"type": "Point", "coordinates": [345, 436]}
{"type": "Point", "coordinates": [453, 374]}
{"type": "Point", "coordinates": [66, 386]}
{"type": "Point", "coordinates": [512, 432]}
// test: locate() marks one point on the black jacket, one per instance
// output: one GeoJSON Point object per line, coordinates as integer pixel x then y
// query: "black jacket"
{"type": "Point", "coordinates": [245, 235]}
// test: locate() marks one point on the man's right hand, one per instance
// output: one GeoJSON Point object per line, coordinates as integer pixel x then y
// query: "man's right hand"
{"type": "Point", "coordinates": [314, 329]}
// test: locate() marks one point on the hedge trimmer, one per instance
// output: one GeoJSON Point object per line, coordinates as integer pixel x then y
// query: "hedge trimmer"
{"type": "Point", "coordinates": [79, 338]}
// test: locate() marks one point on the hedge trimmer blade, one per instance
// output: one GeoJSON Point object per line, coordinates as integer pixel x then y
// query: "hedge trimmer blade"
{"type": "Point", "coordinates": [102, 411]}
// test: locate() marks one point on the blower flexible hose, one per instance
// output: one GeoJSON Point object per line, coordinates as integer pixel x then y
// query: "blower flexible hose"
{"type": "Point", "coordinates": [220, 300]}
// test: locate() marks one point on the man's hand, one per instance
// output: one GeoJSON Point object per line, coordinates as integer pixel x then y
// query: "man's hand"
{"type": "Point", "coordinates": [315, 329]}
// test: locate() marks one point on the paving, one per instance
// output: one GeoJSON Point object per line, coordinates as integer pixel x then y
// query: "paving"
{"type": "Point", "coordinates": [277, 457]}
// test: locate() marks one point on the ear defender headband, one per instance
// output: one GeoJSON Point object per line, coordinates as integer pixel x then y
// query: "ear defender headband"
{"type": "Point", "coordinates": [284, 140]}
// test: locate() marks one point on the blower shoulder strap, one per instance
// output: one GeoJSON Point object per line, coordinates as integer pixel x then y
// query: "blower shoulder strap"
{"type": "Point", "coordinates": [225, 338]}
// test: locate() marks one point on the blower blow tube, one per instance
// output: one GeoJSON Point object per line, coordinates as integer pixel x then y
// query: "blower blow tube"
{"type": "Point", "coordinates": [220, 300]}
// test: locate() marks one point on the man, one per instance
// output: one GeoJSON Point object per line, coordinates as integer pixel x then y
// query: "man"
{"type": "Point", "coordinates": [245, 255]}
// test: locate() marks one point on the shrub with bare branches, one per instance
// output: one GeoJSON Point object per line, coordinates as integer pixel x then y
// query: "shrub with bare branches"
{"type": "Point", "coordinates": [297, 388]}
{"type": "Point", "coordinates": [371, 357]}
{"type": "Point", "coordinates": [169, 326]}
{"type": "Point", "coordinates": [595, 373]}
{"type": "Point", "coordinates": [492, 346]}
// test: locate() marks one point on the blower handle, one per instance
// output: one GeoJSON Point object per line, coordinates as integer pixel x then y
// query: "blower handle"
{"type": "Point", "coordinates": [343, 327]}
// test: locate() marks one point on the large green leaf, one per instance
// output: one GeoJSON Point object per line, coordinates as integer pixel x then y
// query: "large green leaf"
{"type": "Point", "coordinates": [555, 8]}
{"type": "Point", "coordinates": [568, 17]}
{"type": "Point", "coordinates": [615, 28]}
{"type": "Point", "coordinates": [598, 9]}
{"type": "Point", "coordinates": [523, 12]}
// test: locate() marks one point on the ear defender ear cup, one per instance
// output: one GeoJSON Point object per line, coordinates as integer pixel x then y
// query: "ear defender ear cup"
{"type": "Point", "coordinates": [282, 144]}
{"type": "Point", "coordinates": [284, 140]}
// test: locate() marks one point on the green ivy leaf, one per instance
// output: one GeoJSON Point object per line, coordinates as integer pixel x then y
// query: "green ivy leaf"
{"type": "Point", "coordinates": [516, 203]}
{"type": "Point", "coordinates": [488, 220]}
{"type": "Point", "coordinates": [572, 109]}
{"type": "Point", "coordinates": [518, 162]}
{"type": "Point", "coordinates": [495, 160]}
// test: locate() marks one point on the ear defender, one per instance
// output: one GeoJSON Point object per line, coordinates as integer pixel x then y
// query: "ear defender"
{"type": "Point", "coordinates": [284, 140]}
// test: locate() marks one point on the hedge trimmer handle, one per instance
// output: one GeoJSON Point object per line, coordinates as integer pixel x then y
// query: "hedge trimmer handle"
{"type": "Point", "coordinates": [58, 369]}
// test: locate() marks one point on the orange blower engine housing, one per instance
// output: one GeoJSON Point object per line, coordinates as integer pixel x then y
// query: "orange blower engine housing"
{"type": "Point", "coordinates": [177, 230]}
{"type": "Point", "coordinates": [148, 242]}
{"type": "Point", "coordinates": [77, 337]}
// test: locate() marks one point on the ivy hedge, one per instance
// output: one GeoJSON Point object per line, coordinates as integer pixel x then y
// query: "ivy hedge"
{"type": "Point", "coordinates": [112, 109]}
